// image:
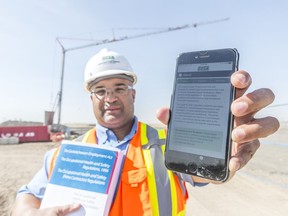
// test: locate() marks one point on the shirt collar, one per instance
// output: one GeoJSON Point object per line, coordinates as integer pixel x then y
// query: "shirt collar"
{"type": "Point", "coordinates": [106, 136]}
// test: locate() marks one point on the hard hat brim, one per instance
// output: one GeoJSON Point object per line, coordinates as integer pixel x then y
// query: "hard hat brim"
{"type": "Point", "coordinates": [111, 74]}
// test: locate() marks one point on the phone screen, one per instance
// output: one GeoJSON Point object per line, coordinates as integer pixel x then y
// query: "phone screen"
{"type": "Point", "coordinates": [200, 125]}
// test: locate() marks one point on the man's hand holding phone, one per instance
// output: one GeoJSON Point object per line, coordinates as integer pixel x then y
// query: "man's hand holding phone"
{"type": "Point", "coordinates": [247, 130]}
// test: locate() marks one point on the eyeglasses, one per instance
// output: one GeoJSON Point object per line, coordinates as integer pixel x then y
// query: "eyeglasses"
{"type": "Point", "coordinates": [101, 93]}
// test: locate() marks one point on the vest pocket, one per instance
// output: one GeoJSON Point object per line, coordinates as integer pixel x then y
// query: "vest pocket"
{"type": "Point", "coordinates": [133, 178]}
{"type": "Point", "coordinates": [135, 192]}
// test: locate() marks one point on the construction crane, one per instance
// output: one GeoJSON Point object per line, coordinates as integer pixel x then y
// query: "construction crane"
{"type": "Point", "coordinates": [114, 40]}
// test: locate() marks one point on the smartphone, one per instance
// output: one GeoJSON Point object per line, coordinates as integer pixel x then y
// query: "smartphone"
{"type": "Point", "coordinates": [199, 130]}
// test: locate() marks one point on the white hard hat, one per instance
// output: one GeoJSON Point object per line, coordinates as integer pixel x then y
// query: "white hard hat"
{"type": "Point", "coordinates": [107, 64]}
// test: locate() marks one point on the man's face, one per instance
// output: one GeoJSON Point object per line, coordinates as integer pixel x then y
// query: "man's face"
{"type": "Point", "coordinates": [114, 110]}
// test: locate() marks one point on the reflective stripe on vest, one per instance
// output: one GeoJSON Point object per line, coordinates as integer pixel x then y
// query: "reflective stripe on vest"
{"type": "Point", "coordinates": [161, 181]}
{"type": "Point", "coordinates": [146, 186]}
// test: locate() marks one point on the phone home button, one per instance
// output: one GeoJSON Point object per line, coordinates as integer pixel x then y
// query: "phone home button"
{"type": "Point", "coordinates": [192, 167]}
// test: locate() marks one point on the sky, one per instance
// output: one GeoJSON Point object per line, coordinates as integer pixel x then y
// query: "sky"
{"type": "Point", "coordinates": [31, 57]}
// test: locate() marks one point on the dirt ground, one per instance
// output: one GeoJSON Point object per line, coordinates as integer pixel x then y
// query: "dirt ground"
{"type": "Point", "coordinates": [261, 188]}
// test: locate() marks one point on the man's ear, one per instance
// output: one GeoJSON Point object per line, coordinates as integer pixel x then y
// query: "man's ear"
{"type": "Point", "coordinates": [134, 94]}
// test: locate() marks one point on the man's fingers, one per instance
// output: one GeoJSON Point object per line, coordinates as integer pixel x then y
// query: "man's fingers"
{"type": "Point", "coordinates": [241, 154]}
{"type": "Point", "coordinates": [241, 80]}
{"type": "Point", "coordinates": [163, 114]}
{"type": "Point", "coordinates": [252, 102]}
{"type": "Point", "coordinates": [68, 209]}
{"type": "Point", "coordinates": [255, 129]}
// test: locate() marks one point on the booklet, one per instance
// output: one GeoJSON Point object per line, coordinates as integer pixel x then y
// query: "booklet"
{"type": "Point", "coordinates": [87, 174]}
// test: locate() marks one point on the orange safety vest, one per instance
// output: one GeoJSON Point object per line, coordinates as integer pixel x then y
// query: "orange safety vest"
{"type": "Point", "coordinates": [146, 186]}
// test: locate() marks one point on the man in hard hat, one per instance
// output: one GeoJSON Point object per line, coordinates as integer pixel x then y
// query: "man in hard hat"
{"type": "Point", "coordinates": [146, 186]}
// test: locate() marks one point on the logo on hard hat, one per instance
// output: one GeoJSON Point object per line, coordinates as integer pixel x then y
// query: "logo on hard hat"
{"type": "Point", "coordinates": [108, 60]}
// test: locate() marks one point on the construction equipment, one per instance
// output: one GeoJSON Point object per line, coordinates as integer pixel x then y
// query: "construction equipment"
{"type": "Point", "coordinates": [113, 40]}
